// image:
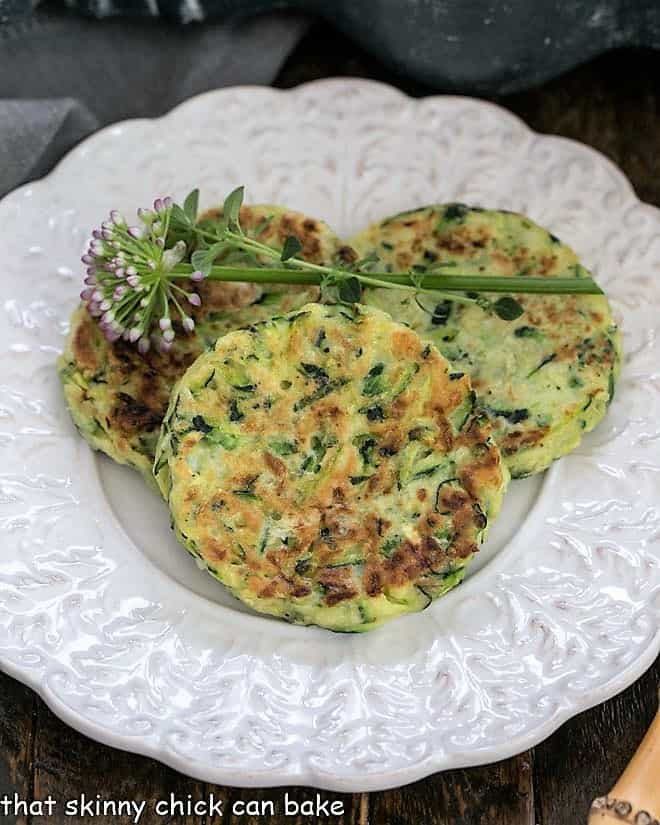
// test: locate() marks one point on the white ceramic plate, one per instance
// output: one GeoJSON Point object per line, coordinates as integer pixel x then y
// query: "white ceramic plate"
{"type": "Point", "coordinates": [110, 621]}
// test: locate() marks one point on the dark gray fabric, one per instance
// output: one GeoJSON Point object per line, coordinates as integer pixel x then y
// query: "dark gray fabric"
{"type": "Point", "coordinates": [473, 47]}
{"type": "Point", "coordinates": [34, 134]}
{"type": "Point", "coordinates": [62, 76]}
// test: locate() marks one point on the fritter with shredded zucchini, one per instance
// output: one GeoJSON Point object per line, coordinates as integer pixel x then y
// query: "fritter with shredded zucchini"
{"type": "Point", "coordinates": [328, 467]}
{"type": "Point", "coordinates": [117, 397]}
{"type": "Point", "coordinates": [543, 379]}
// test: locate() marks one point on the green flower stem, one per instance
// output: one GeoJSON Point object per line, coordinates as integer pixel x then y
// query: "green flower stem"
{"type": "Point", "coordinates": [430, 282]}
{"type": "Point", "coordinates": [132, 272]}
{"type": "Point", "coordinates": [299, 271]}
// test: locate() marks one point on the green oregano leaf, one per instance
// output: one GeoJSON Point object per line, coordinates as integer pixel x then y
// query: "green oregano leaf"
{"type": "Point", "coordinates": [178, 217]}
{"type": "Point", "coordinates": [350, 290]}
{"type": "Point", "coordinates": [198, 257]}
{"type": "Point", "coordinates": [202, 260]}
{"type": "Point", "coordinates": [507, 308]}
{"type": "Point", "coordinates": [190, 205]}
{"type": "Point", "coordinates": [292, 246]}
{"type": "Point", "coordinates": [369, 260]}
{"type": "Point", "coordinates": [232, 206]}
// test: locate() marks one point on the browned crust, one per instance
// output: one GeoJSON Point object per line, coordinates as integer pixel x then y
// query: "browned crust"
{"type": "Point", "coordinates": [334, 507]}
{"type": "Point", "coordinates": [136, 388]}
{"type": "Point", "coordinates": [307, 230]}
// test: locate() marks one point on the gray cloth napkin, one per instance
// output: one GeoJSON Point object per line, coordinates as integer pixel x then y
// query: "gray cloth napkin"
{"type": "Point", "coordinates": [62, 76]}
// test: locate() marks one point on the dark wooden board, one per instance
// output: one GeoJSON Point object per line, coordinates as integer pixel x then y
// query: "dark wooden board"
{"type": "Point", "coordinates": [67, 765]}
{"type": "Point", "coordinates": [586, 755]}
{"type": "Point", "coordinates": [18, 708]}
{"type": "Point", "coordinates": [612, 104]}
{"type": "Point", "coordinates": [493, 795]}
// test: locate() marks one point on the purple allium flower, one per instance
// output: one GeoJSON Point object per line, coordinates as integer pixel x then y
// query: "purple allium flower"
{"type": "Point", "coordinates": [123, 260]}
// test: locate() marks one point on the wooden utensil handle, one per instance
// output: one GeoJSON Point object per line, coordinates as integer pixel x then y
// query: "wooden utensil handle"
{"type": "Point", "coordinates": [636, 796]}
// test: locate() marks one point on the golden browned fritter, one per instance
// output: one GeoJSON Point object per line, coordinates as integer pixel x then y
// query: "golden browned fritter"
{"type": "Point", "coordinates": [327, 466]}
{"type": "Point", "coordinates": [543, 379]}
{"type": "Point", "coordinates": [117, 397]}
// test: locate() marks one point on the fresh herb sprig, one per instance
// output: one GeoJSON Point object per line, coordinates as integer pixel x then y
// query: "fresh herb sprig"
{"type": "Point", "coordinates": [133, 284]}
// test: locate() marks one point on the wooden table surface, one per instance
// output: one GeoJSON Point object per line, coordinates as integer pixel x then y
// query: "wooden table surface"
{"type": "Point", "coordinates": [612, 104]}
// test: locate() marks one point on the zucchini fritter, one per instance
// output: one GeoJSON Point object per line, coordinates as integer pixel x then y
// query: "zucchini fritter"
{"type": "Point", "coordinates": [328, 467]}
{"type": "Point", "coordinates": [117, 397]}
{"type": "Point", "coordinates": [543, 379]}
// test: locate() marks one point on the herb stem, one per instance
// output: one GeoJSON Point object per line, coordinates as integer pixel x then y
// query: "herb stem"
{"type": "Point", "coordinates": [131, 283]}
{"type": "Point", "coordinates": [430, 282]}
